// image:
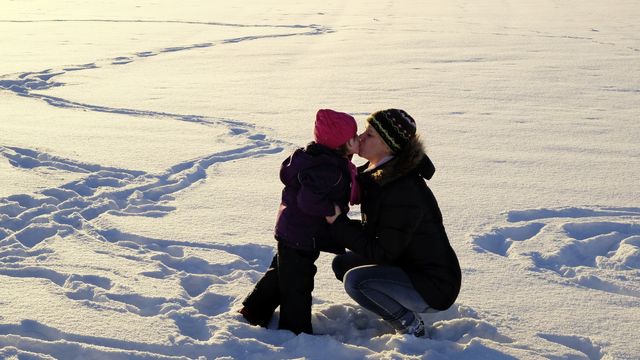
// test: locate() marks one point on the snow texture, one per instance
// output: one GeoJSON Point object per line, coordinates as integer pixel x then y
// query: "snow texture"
{"type": "Point", "coordinates": [140, 144]}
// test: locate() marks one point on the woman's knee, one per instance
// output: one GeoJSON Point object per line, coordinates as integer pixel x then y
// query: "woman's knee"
{"type": "Point", "coordinates": [343, 263]}
{"type": "Point", "coordinates": [338, 267]}
{"type": "Point", "coordinates": [350, 284]}
{"type": "Point", "coordinates": [355, 280]}
{"type": "Point", "coordinates": [371, 278]}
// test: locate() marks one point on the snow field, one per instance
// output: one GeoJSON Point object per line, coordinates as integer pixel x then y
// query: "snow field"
{"type": "Point", "coordinates": [140, 145]}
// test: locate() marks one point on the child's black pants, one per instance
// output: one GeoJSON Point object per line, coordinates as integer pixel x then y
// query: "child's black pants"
{"type": "Point", "coordinates": [288, 283]}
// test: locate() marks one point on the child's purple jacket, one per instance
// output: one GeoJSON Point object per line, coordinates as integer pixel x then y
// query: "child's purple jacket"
{"type": "Point", "coordinates": [315, 178]}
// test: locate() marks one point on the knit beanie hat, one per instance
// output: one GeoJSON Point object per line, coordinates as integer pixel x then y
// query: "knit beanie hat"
{"type": "Point", "coordinates": [333, 128]}
{"type": "Point", "coordinates": [395, 127]}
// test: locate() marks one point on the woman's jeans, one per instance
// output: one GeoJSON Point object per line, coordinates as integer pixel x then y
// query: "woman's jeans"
{"type": "Point", "coordinates": [384, 290]}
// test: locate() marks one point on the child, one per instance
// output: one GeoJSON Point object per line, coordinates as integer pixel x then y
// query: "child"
{"type": "Point", "coordinates": [315, 178]}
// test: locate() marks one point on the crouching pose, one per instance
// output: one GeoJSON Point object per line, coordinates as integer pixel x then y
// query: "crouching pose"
{"type": "Point", "coordinates": [401, 263]}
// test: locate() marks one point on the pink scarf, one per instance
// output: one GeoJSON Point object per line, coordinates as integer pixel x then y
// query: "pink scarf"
{"type": "Point", "coordinates": [354, 199]}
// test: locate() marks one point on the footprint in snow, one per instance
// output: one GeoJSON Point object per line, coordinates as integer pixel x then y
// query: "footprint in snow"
{"type": "Point", "coordinates": [146, 53]}
{"type": "Point", "coordinates": [593, 247]}
{"type": "Point", "coordinates": [351, 324]}
{"type": "Point", "coordinates": [586, 346]}
{"type": "Point", "coordinates": [195, 285]}
{"type": "Point", "coordinates": [193, 326]}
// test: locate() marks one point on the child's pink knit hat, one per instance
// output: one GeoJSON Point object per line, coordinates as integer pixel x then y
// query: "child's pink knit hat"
{"type": "Point", "coordinates": [334, 128]}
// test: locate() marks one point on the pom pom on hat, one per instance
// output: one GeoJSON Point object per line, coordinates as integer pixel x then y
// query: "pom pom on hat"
{"type": "Point", "coordinates": [395, 126]}
{"type": "Point", "coordinates": [333, 128]}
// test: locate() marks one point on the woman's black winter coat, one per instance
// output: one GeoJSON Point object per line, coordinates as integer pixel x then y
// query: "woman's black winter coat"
{"type": "Point", "coordinates": [402, 226]}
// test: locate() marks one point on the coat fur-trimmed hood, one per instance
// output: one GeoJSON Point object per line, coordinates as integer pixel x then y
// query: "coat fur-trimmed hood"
{"type": "Point", "coordinates": [412, 159]}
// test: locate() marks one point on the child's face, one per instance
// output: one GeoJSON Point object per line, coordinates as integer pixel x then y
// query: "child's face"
{"type": "Point", "coordinates": [353, 145]}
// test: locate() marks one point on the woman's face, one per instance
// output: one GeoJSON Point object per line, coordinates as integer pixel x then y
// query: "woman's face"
{"type": "Point", "coordinates": [372, 147]}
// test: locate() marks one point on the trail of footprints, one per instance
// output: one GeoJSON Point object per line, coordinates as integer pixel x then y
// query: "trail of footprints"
{"type": "Point", "coordinates": [30, 84]}
{"type": "Point", "coordinates": [598, 248]}
{"type": "Point", "coordinates": [28, 220]}
{"type": "Point", "coordinates": [592, 247]}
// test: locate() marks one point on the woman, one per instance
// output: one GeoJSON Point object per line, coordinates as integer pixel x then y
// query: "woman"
{"type": "Point", "coordinates": [401, 263]}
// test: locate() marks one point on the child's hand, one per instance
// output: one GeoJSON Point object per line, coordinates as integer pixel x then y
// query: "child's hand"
{"type": "Point", "coordinates": [331, 219]}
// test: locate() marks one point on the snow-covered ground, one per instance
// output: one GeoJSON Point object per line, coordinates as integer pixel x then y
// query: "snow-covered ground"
{"type": "Point", "coordinates": [139, 152]}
